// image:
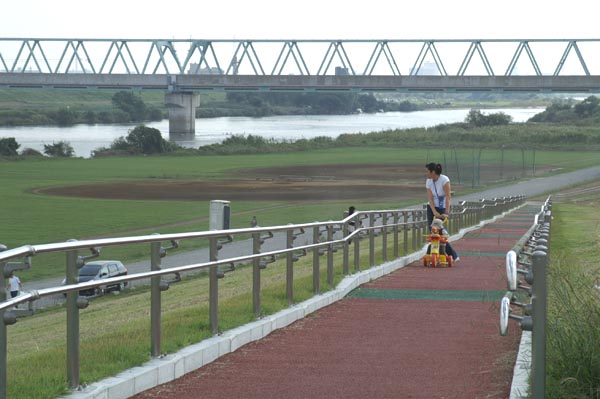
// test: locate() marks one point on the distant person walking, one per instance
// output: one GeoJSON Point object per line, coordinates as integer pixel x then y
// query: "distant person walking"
{"type": "Point", "coordinates": [437, 186]}
{"type": "Point", "coordinates": [253, 222]}
{"type": "Point", "coordinates": [14, 285]}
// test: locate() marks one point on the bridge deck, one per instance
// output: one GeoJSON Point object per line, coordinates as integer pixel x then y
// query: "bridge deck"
{"type": "Point", "coordinates": [415, 333]}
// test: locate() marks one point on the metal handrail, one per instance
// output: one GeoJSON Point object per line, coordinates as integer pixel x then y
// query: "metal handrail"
{"type": "Point", "coordinates": [531, 252]}
{"type": "Point", "coordinates": [403, 219]}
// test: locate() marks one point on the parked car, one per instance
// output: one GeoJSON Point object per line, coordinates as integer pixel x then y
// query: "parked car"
{"type": "Point", "coordinates": [98, 270]}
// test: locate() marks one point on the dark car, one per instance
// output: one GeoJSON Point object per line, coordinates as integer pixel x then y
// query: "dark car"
{"type": "Point", "coordinates": [99, 270]}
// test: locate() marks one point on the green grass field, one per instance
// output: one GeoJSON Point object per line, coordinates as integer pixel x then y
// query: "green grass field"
{"type": "Point", "coordinates": [31, 218]}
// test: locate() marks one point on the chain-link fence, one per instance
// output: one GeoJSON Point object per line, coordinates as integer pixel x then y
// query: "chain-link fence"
{"type": "Point", "coordinates": [482, 167]}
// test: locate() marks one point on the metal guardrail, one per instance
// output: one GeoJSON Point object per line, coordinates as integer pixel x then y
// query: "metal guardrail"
{"type": "Point", "coordinates": [369, 224]}
{"type": "Point", "coordinates": [530, 258]}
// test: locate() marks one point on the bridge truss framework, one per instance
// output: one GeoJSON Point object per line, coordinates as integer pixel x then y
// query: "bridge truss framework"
{"type": "Point", "coordinates": [354, 65]}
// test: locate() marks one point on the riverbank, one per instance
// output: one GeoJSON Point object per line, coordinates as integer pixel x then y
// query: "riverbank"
{"type": "Point", "coordinates": [86, 138]}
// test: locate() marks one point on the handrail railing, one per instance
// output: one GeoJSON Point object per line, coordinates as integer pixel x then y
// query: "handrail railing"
{"type": "Point", "coordinates": [530, 257]}
{"type": "Point", "coordinates": [378, 224]}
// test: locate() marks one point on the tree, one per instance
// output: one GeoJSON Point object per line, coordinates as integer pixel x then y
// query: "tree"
{"type": "Point", "coordinates": [587, 107]}
{"type": "Point", "coordinates": [476, 118]}
{"type": "Point", "coordinates": [62, 149]}
{"type": "Point", "coordinates": [147, 140]}
{"type": "Point", "coordinates": [131, 104]}
{"type": "Point", "coordinates": [368, 103]}
{"type": "Point", "coordinates": [65, 117]}
{"type": "Point", "coordinates": [8, 146]}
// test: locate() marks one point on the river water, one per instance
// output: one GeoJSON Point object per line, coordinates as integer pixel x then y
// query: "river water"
{"type": "Point", "coordinates": [85, 138]}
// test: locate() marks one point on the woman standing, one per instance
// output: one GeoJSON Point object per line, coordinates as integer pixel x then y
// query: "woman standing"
{"type": "Point", "coordinates": [438, 197]}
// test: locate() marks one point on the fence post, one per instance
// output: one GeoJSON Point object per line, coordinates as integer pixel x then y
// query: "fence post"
{"type": "Point", "coordinates": [256, 242]}
{"type": "Point", "coordinates": [396, 219]}
{"type": "Point", "coordinates": [384, 218]}
{"type": "Point", "coordinates": [371, 240]}
{"type": "Point", "coordinates": [330, 255]}
{"type": "Point", "coordinates": [3, 336]}
{"type": "Point", "coordinates": [356, 241]}
{"type": "Point", "coordinates": [316, 271]}
{"type": "Point", "coordinates": [413, 228]}
{"type": "Point", "coordinates": [213, 290]}
{"type": "Point", "coordinates": [155, 300]}
{"type": "Point", "coordinates": [405, 232]}
{"type": "Point", "coordinates": [289, 275]}
{"type": "Point", "coordinates": [345, 255]}
{"type": "Point", "coordinates": [72, 323]}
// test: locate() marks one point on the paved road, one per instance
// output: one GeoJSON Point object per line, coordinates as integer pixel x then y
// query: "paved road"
{"type": "Point", "coordinates": [532, 187]}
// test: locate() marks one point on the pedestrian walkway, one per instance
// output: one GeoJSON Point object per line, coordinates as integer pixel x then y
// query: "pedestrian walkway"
{"type": "Point", "coordinates": [415, 333]}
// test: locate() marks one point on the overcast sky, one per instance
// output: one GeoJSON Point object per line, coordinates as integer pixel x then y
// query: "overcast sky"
{"type": "Point", "coordinates": [306, 19]}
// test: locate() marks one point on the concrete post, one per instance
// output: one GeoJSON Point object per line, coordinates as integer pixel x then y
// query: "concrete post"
{"type": "Point", "coordinates": [182, 112]}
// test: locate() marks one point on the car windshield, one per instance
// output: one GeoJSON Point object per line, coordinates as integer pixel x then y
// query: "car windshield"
{"type": "Point", "coordinates": [89, 270]}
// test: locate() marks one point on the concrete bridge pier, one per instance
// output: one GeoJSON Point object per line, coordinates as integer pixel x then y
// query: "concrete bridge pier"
{"type": "Point", "coordinates": [182, 113]}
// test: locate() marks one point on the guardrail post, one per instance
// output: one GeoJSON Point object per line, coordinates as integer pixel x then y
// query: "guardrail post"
{"type": "Point", "coordinates": [72, 323]}
{"type": "Point", "coordinates": [3, 336]}
{"type": "Point", "coordinates": [356, 241]}
{"type": "Point", "coordinates": [538, 335]}
{"type": "Point", "coordinates": [289, 268]}
{"type": "Point", "coordinates": [155, 301]}
{"type": "Point", "coordinates": [424, 227]}
{"type": "Point", "coordinates": [413, 228]}
{"type": "Point", "coordinates": [256, 275]}
{"type": "Point", "coordinates": [405, 231]}
{"type": "Point", "coordinates": [316, 271]}
{"type": "Point", "coordinates": [330, 255]}
{"type": "Point", "coordinates": [371, 240]}
{"type": "Point", "coordinates": [213, 290]}
{"type": "Point", "coordinates": [384, 218]}
{"type": "Point", "coordinates": [395, 219]}
{"type": "Point", "coordinates": [345, 255]}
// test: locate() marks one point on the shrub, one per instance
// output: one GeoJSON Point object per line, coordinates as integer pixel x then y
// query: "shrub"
{"type": "Point", "coordinates": [8, 146]}
{"type": "Point", "coordinates": [62, 149]}
{"type": "Point", "coordinates": [30, 152]}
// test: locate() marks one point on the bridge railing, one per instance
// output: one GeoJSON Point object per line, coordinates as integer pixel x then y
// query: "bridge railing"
{"type": "Point", "coordinates": [406, 226]}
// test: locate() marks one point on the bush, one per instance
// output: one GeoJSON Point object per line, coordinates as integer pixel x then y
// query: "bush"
{"type": "Point", "coordinates": [476, 118]}
{"type": "Point", "coordinates": [140, 140]}
{"type": "Point", "coordinates": [62, 149]}
{"type": "Point", "coordinates": [65, 117]}
{"type": "Point", "coordinates": [30, 152]}
{"type": "Point", "coordinates": [9, 146]}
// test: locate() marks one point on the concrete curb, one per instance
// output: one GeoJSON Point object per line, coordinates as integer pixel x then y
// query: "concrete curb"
{"type": "Point", "coordinates": [520, 383]}
{"type": "Point", "coordinates": [170, 367]}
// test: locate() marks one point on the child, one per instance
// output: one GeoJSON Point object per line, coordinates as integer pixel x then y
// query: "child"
{"type": "Point", "coordinates": [437, 226]}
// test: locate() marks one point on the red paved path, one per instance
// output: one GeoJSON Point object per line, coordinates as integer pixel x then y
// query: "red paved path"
{"type": "Point", "coordinates": [384, 348]}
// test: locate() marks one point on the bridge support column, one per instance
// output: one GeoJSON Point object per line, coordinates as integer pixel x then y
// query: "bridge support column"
{"type": "Point", "coordinates": [182, 112]}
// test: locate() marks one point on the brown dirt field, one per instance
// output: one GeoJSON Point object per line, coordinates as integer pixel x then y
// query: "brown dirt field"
{"type": "Point", "coordinates": [299, 183]}
{"type": "Point", "coordinates": [341, 182]}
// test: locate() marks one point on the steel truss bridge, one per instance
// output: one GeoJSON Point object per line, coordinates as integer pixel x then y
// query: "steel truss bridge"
{"type": "Point", "coordinates": [567, 65]}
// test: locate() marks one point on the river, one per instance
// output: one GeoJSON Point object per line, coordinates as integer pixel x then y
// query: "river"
{"type": "Point", "coordinates": [85, 138]}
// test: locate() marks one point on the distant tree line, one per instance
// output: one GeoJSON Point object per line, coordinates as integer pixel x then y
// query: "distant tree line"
{"type": "Point", "coordinates": [127, 107]}
{"type": "Point", "coordinates": [317, 103]}
{"type": "Point", "coordinates": [586, 112]}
